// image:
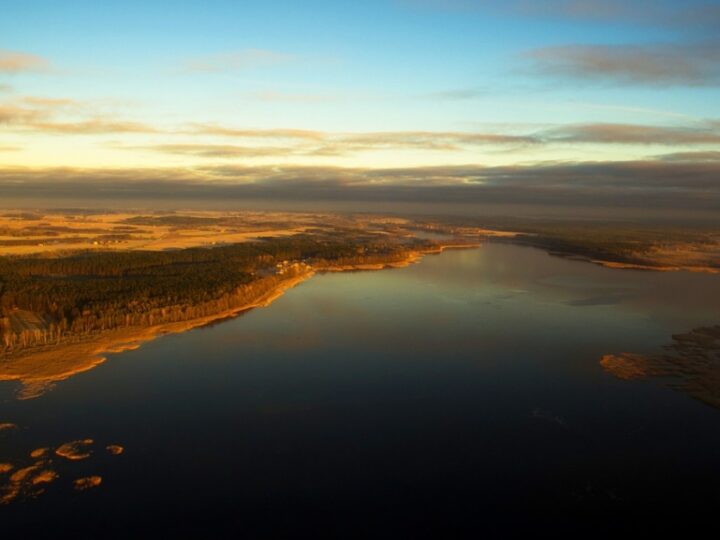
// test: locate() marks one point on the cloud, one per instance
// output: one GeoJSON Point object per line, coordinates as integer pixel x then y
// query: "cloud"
{"type": "Point", "coordinates": [33, 113]}
{"type": "Point", "coordinates": [28, 109]}
{"type": "Point", "coordinates": [224, 131]}
{"type": "Point", "coordinates": [219, 150]}
{"type": "Point", "coordinates": [701, 16]}
{"type": "Point", "coordinates": [310, 143]}
{"type": "Point", "coordinates": [18, 62]}
{"type": "Point", "coordinates": [427, 140]}
{"type": "Point", "coordinates": [35, 106]}
{"type": "Point", "coordinates": [235, 61]}
{"type": "Point", "coordinates": [638, 110]}
{"type": "Point", "coordinates": [329, 143]}
{"type": "Point", "coordinates": [12, 114]}
{"type": "Point", "coordinates": [689, 15]}
{"type": "Point", "coordinates": [40, 114]}
{"type": "Point", "coordinates": [318, 143]}
{"type": "Point", "coordinates": [633, 134]}
{"type": "Point", "coordinates": [47, 102]}
{"type": "Point", "coordinates": [651, 183]}
{"type": "Point", "coordinates": [96, 126]}
{"type": "Point", "coordinates": [695, 64]}
{"type": "Point", "coordinates": [588, 9]}
{"type": "Point", "coordinates": [691, 156]}
{"type": "Point", "coordinates": [64, 116]}
{"type": "Point", "coordinates": [569, 8]}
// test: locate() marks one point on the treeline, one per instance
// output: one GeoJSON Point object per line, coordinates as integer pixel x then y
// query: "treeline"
{"type": "Point", "coordinates": [73, 297]}
{"type": "Point", "coordinates": [79, 326]}
{"type": "Point", "coordinates": [617, 241]}
{"type": "Point", "coordinates": [622, 251]}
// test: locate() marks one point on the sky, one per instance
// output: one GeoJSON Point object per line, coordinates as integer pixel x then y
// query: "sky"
{"type": "Point", "coordinates": [572, 103]}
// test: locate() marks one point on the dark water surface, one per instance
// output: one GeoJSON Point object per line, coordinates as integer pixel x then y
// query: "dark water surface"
{"type": "Point", "coordinates": [461, 396]}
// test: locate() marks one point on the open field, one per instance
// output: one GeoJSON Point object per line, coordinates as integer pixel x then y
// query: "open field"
{"type": "Point", "coordinates": [25, 233]}
{"type": "Point", "coordinates": [617, 245]}
{"type": "Point", "coordinates": [59, 233]}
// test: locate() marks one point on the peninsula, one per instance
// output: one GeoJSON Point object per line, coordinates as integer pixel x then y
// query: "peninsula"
{"type": "Point", "coordinates": [63, 310]}
{"type": "Point", "coordinates": [78, 285]}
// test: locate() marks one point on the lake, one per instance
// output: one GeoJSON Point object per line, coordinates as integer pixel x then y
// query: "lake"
{"type": "Point", "coordinates": [461, 396]}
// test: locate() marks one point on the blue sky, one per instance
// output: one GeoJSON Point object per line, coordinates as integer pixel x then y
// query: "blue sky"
{"type": "Point", "coordinates": [187, 84]}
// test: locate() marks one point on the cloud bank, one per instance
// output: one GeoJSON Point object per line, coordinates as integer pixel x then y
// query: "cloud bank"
{"type": "Point", "coordinates": [677, 184]}
{"type": "Point", "coordinates": [689, 15]}
{"type": "Point", "coordinates": [683, 64]}
{"type": "Point", "coordinates": [67, 117]}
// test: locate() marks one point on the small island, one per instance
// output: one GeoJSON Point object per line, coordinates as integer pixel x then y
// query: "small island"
{"type": "Point", "coordinates": [690, 364]}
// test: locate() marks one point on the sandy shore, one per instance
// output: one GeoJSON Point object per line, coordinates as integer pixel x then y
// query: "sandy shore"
{"type": "Point", "coordinates": [377, 266]}
{"type": "Point", "coordinates": [413, 258]}
{"type": "Point", "coordinates": [629, 266]}
{"type": "Point", "coordinates": [690, 364]}
{"type": "Point", "coordinates": [632, 266]}
{"type": "Point", "coordinates": [38, 370]}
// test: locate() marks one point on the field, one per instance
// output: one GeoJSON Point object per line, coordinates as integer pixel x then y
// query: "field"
{"type": "Point", "coordinates": [25, 233]}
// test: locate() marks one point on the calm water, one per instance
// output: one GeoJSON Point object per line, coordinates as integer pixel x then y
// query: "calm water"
{"type": "Point", "coordinates": [461, 396]}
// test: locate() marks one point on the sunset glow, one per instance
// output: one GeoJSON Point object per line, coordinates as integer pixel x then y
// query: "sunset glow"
{"type": "Point", "coordinates": [226, 93]}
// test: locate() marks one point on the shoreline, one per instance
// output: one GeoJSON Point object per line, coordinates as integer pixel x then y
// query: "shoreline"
{"type": "Point", "coordinates": [649, 268]}
{"type": "Point", "coordinates": [39, 370]}
{"type": "Point", "coordinates": [619, 265]}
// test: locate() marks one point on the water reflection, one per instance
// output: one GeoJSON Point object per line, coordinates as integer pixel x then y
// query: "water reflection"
{"type": "Point", "coordinates": [462, 393]}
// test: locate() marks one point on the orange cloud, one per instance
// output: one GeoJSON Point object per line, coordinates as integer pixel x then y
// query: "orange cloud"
{"type": "Point", "coordinates": [14, 114]}
{"type": "Point", "coordinates": [634, 134]}
{"type": "Point", "coordinates": [17, 62]}
{"type": "Point", "coordinates": [214, 129]}
{"type": "Point", "coordinates": [220, 150]}
{"type": "Point", "coordinates": [95, 126]}
{"type": "Point", "coordinates": [48, 102]}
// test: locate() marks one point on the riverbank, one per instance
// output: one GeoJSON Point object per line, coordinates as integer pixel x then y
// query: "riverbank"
{"type": "Point", "coordinates": [617, 265]}
{"type": "Point", "coordinates": [412, 258]}
{"type": "Point", "coordinates": [676, 258]}
{"type": "Point", "coordinates": [39, 369]}
{"type": "Point", "coordinates": [680, 268]}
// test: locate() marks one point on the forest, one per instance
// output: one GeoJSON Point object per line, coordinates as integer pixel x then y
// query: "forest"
{"type": "Point", "coordinates": [50, 300]}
